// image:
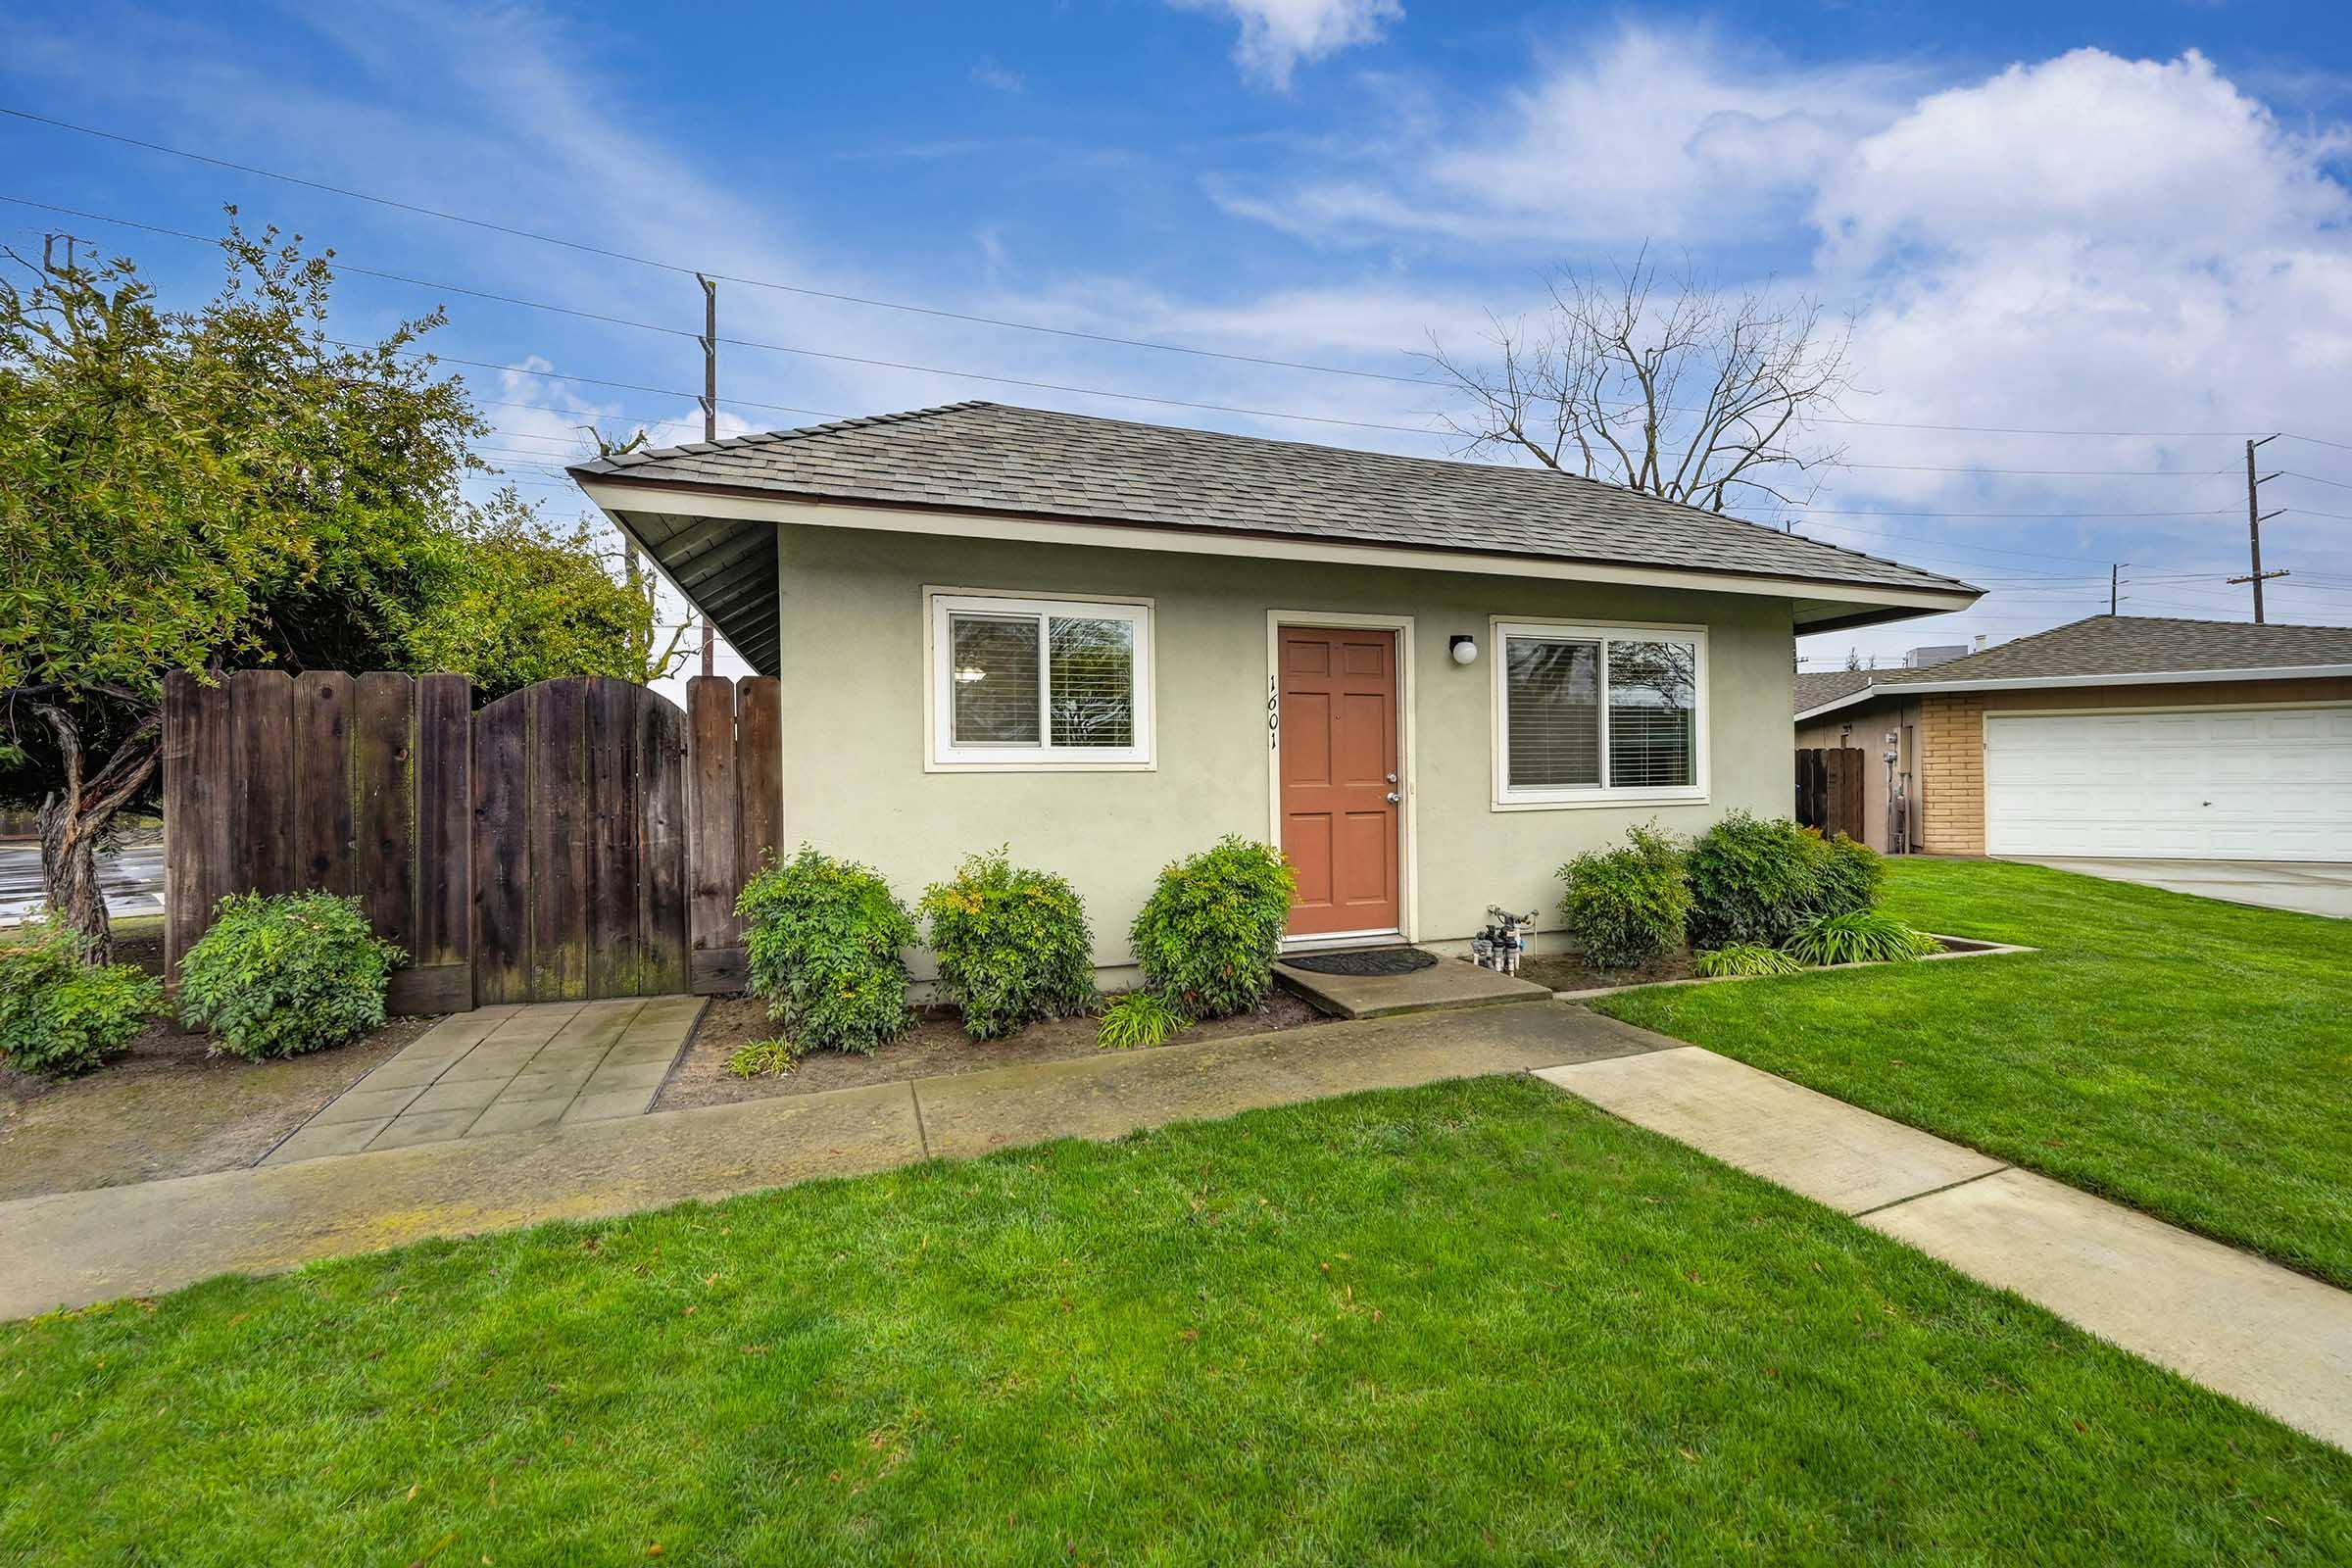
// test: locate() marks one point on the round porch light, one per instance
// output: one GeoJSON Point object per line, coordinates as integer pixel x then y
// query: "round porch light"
{"type": "Point", "coordinates": [1465, 648]}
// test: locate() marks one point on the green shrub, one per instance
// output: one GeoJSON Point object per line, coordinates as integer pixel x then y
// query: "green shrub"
{"type": "Point", "coordinates": [1138, 1018]}
{"type": "Point", "coordinates": [1852, 876]}
{"type": "Point", "coordinates": [1860, 936]}
{"type": "Point", "coordinates": [1752, 880]}
{"type": "Point", "coordinates": [824, 938]}
{"type": "Point", "coordinates": [278, 976]}
{"type": "Point", "coordinates": [1625, 906]}
{"type": "Point", "coordinates": [768, 1059]}
{"type": "Point", "coordinates": [1743, 958]}
{"type": "Point", "coordinates": [60, 1016]}
{"type": "Point", "coordinates": [1012, 945]}
{"type": "Point", "coordinates": [1208, 938]}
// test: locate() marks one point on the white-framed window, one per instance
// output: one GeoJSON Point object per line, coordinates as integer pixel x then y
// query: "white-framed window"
{"type": "Point", "coordinates": [1039, 682]}
{"type": "Point", "coordinates": [1599, 715]}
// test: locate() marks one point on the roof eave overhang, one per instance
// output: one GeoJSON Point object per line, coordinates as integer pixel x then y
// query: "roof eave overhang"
{"type": "Point", "coordinates": [1841, 604]}
{"type": "Point", "coordinates": [2142, 677]}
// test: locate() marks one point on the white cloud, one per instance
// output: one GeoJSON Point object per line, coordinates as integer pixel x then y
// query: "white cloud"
{"type": "Point", "coordinates": [2164, 159]}
{"type": "Point", "coordinates": [997, 77]}
{"type": "Point", "coordinates": [1652, 134]}
{"type": "Point", "coordinates": [1278, 35]}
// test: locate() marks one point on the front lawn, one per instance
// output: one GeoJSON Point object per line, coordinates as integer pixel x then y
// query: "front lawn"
{"type": "Point", "coordinates": [1474, 1322]}
{"type": "Point", "coordinates": [2190, 1057]}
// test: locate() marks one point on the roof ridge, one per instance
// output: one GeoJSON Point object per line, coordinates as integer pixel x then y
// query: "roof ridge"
{"type": "Point", "coordinates": [1540, 472]}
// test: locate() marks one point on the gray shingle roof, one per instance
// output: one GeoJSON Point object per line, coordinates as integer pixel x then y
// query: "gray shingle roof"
{"type": "Point", "coordinates": [2142, 645]}
{"type": "Point", "coordinates": [1816, 687]}
{"type": "Point", "coordinates": [1001, 458]}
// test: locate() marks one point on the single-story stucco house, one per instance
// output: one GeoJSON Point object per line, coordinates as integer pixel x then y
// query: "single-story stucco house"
{"type": "Point", "coordinates": [2117, 736]}
{"type": "Point", "coordinates": [1106, 644]}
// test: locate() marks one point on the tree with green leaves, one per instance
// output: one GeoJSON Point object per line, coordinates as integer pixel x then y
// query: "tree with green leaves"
{"type": "Point", "coordinates": [229, 487]}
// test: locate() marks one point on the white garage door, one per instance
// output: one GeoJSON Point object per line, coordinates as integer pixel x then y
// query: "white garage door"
{"type": "Point", "coordinates": [2201, 783]}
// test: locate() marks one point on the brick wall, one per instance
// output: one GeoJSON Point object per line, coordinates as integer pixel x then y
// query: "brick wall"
{"type": "Point", "coordinates": [1952, 774]}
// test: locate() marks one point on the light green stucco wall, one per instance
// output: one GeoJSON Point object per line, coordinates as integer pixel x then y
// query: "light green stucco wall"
{"type": "Point", "coordinates": [854, 744]}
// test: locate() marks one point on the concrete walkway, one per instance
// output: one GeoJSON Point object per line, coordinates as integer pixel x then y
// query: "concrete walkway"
{"type": "Point", "coordinates": [2306, 887]}
{"type": "Point", "coordinates": [2242, 1327]}
{"type": "Point", "coordinates": [506, 1069]}
{"type": "Point", "coordinates": [70, 1249]}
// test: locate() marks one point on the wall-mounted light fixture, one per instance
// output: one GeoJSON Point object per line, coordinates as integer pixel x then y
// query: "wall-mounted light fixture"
{"type": "Point", "coordinates": [1465, 646]}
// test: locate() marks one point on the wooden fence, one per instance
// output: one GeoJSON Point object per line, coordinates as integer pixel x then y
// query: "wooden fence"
{"type": "Point", "coordinates": [1829, 789]}
{"type": "Point", "coordinates": [578, 838]}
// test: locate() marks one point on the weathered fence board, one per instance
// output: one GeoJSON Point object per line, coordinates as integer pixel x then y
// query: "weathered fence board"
{"type": "Point", "coordinates": [499, 821]}
{"type": "Point", "coordinates": [261, 718]}
{"type": "Point", "coordinates": [1829, 789]}
{"type": "Point", "coordinates": [579, 838]}
{"type": "Point", "coordinates": [444, 822]}
{"type": "Point", "coordinates": [713, 822]}
{"type": "Point", "coordinates": [662, 892]}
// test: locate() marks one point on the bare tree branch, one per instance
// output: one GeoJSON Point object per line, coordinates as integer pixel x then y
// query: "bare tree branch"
{"type": "Point", "coordinates": [1662, 384]}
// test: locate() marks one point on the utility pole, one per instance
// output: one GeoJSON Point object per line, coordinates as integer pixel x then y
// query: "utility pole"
{"type": "Point", "coordinates": [710, 431]}
{"type": "Point", "coordinates": [2114, 581]}
{"type": "Point", "coordinates": [2255, 518]}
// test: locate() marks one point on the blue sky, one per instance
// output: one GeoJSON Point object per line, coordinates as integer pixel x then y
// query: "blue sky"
{"type": "Point", "coordinates": [2118, 218]}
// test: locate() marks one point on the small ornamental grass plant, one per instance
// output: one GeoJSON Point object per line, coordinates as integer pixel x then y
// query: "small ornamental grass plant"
{"type": "Point", "coordinates": [1859, 936]}
{"type": "Point", "coordinates": [1627, 905]}
{"type": "Point", "coordinates": [764, 1058]}
{"type": "Point", "coordinates": [1742, 959]}
{"type": "Point", "coordinates": [283, 974]}
{"type": "Point", "coordinates": [824, 939]}
{"type": "Point", "coordinates": [59, 1015]}
{"type": "Point", "coordinates": [1138, 1018]}
{"type": "Point", "coordinates": [1012, 945]}
{"type": "Point", "coordinates": [1208, 935]}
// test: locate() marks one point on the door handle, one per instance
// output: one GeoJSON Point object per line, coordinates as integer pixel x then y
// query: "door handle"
{"type": "Point", "coordinates": [1394, 798]}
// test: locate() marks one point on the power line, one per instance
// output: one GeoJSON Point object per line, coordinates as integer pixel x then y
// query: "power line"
{"type": "Point", "coordinates": [799, 348]}
{"type": "Point", "coordinates": [978, 319]}
{"type": "Point", "coordinates": [2045, 517]}
{"type": "Point", "coordinates": [609, 254]}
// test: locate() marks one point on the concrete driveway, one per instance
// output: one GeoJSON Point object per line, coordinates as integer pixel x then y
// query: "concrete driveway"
{"type": "Point", "coordinates": [2307, 887]}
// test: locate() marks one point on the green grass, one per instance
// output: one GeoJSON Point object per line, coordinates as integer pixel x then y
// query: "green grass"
{"type": "Point", "coordinates": [2188, 1057]}
{"type": "Point", "coordinates": [1471, 1322]}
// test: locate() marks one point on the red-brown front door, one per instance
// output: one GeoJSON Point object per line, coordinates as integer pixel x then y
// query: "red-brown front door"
{"type": "Point", "coordinates": [1339, 793]}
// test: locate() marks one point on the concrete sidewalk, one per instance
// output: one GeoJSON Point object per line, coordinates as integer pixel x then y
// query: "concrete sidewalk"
{"type": "Point", "coordinates": [71, 1248]}
{"type": "Point", "coordinates": [2276, 1338]}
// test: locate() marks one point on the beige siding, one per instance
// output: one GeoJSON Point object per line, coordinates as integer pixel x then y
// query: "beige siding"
{"type": "Point", "coordinates": [1952, 737]}
{"type": "Point", "coordinates": [853, 674]}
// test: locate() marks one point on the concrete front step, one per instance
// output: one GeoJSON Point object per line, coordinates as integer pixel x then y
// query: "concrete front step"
{"type": "Point", "coordinates": [1450, 984]}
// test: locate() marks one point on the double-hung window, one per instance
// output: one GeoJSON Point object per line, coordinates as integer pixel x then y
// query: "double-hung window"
{"type": "Point", "coordinates": [1039, 683]}
{"type": "Point", "coordinates": [1599, 715]}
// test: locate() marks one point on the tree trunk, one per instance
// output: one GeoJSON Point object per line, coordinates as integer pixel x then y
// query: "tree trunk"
{"type": "Point", "coordinates": [73, 821]}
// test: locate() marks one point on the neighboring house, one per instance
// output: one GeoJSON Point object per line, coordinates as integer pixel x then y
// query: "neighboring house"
{"type": "Point", "coordinates": [2117, 736]}
{"type": "Point", "coordinates": [1107, 644]}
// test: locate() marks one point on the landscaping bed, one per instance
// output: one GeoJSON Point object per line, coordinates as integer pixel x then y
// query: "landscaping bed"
{"type": "Point", "coordinates": [167, 1108]}
{"type": "Point", "coordinates": [1473, 1321]}
{"type": "Point", "coordinates": [937, 1045]}
{"type": "Point", "coordinates": [1569, 971]}
{"type": "Point", "coordinates": [169, 1104]}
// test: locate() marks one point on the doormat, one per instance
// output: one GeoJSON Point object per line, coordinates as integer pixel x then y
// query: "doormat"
{"type": "Point", "coordinates": [1366, 961]}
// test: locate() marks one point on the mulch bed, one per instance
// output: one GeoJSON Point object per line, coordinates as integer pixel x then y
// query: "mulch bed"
{"type": "Point", "coordinates": [1568, 971]}
{"type": "Point", "coordinates": [936, 1046]}
{"type": "Point", "coordinates": [165, 1107]}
